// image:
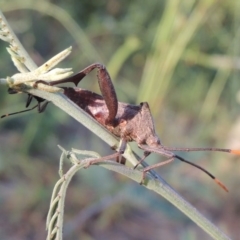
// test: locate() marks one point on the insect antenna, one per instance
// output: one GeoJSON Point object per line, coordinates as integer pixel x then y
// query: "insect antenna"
{"type": "Point", "coordinates": [204, 170]}
{"type": "Point", "coordinates": [165, 152]}
{"type": "Point", "coordinates": [233, 151]}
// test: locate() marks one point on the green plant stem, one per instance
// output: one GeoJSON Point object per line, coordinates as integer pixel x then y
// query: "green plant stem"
{"type": "Point", "coordinates": [157, 185]}
{"type": "Point", "coordinates": [171, 195]}
{"type": "Point", "coordinates": [81, 116]}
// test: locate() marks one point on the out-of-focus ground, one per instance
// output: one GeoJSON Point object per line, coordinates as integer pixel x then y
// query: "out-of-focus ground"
{"type": "Point", "coordinates": [180, 56]}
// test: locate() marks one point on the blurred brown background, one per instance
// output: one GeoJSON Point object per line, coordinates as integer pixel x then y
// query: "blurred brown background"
{"type": "Point", "coordinates": [180, 56]}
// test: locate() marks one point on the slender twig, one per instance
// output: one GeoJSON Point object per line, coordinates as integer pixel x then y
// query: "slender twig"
{"type": "Point", "coordinates": [136, 175]}
{"type": "Point", "coordinates": [15, 45]}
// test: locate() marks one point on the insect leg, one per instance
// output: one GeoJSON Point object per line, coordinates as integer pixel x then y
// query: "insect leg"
{"type": "Point", "coordinates": [147, 169]}
{"type": "Point", "coordinates": [97, 160]}
{"type": "Point", "coordinates": [105, 84]}
{"type": "Point", "coordinates": [29, 100]}
{"type": "Point", "coordinates": [27, 110]}
{"type": "Point", "coordinates": [41, 108]}
{"type": "Point", "coordinates": [145, 155]}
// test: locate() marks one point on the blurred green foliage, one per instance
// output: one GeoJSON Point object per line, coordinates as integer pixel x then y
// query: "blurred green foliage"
{"type": "Point", "coordinates": [180, 56]}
